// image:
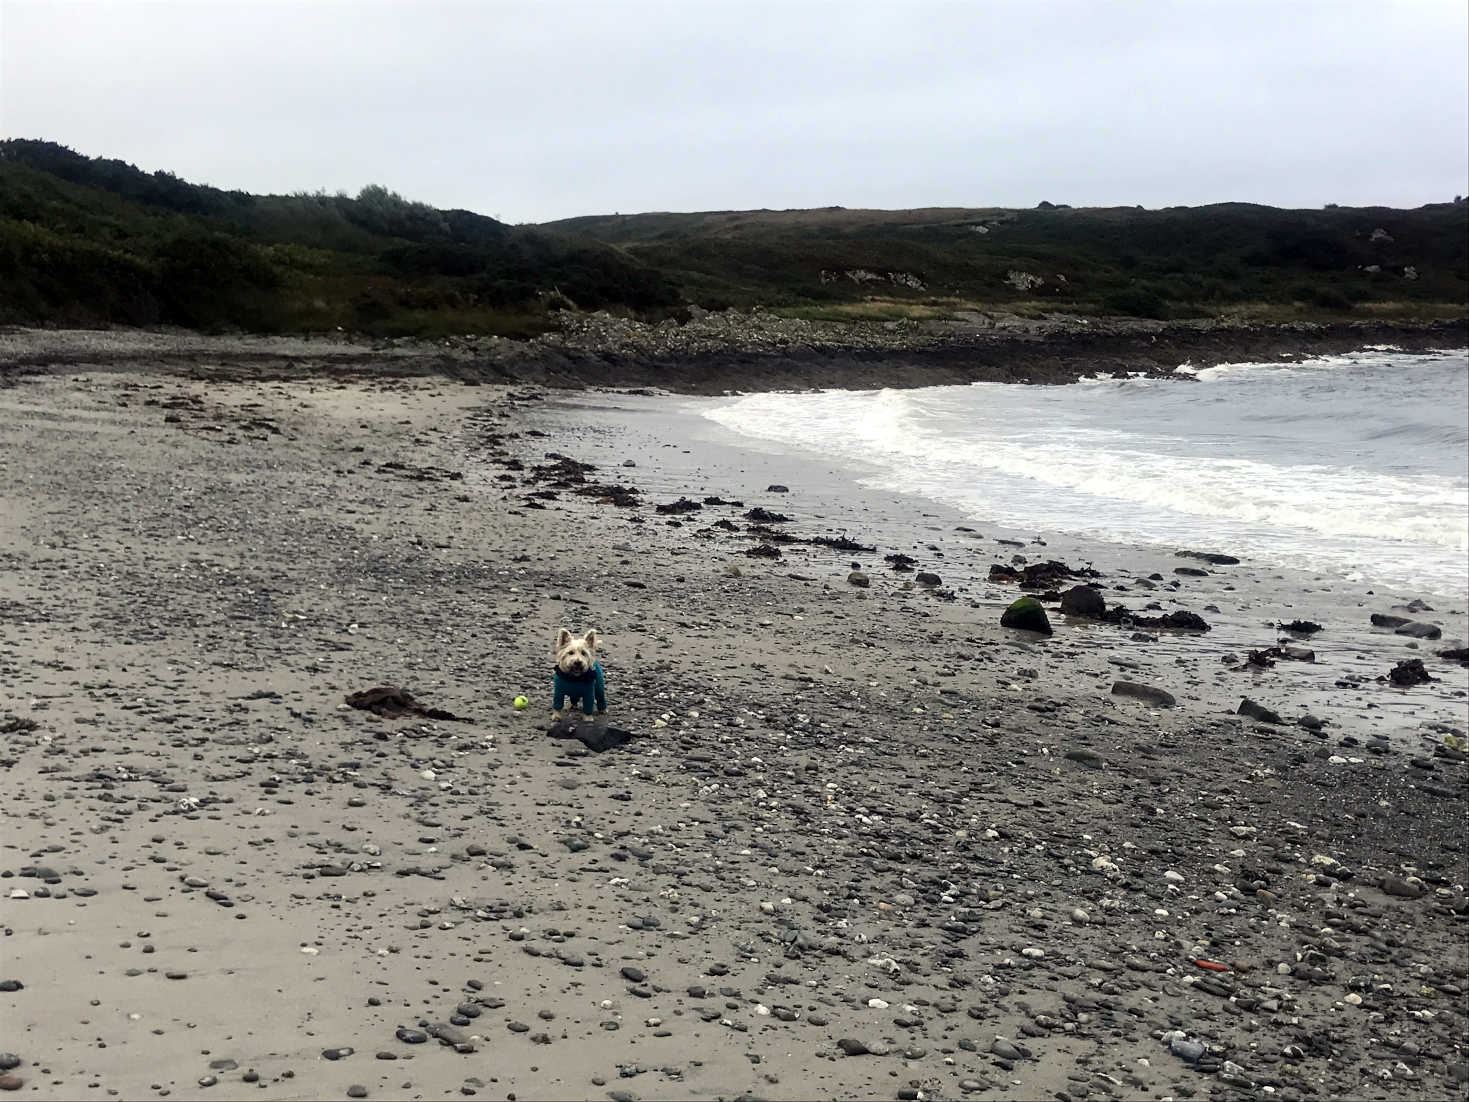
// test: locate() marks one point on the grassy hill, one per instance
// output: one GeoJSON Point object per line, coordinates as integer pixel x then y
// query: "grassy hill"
{"type": "Point", "coordinates": [88, 241]}
{"type": "Point", "coordinates": [1180, 261]}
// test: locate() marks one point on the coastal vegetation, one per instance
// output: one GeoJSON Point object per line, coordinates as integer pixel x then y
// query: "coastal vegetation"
{"type": "Point", "coordinates": [93, 241]}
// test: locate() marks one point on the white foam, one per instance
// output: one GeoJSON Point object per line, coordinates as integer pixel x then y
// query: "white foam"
{"type": "Point", "coordinates": [1029, 458]}
{"type": "Point", "coordinates": [1108, 466]}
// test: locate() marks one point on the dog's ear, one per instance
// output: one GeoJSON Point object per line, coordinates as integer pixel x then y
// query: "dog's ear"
{"type": "Point", "coordinates": [562, 638]}
{"type": "Point", "coordinates": [590, 639]}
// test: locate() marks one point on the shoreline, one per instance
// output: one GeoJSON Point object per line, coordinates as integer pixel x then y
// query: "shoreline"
{"type": "Point", "coordinates": [724, 353]}
{"type": "Point", "coordinates": [677, 454]}
{"type": "Point", "coordinates": [866, 842]}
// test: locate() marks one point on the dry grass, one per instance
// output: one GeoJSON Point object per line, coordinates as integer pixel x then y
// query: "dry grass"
{"type": "Point", "coordinates": [865, 311]}
{"type": "Point", "coordinates": [1412, 311]}
{"type": "Point", "coordinates": [1269, 312]}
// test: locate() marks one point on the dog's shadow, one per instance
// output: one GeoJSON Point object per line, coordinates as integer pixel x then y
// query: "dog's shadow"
{"type": "Point", "coordinates": [595, 735]}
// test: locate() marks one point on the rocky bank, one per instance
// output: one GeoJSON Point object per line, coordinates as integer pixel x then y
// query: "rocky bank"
{"type": "Point", "coordinates": [714, 353]}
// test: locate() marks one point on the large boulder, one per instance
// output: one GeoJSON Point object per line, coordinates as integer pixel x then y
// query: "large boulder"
{"type": "Point", "coordinates": [1250, 710]}
{"type": "Point", "coordinates": [1148, 694]}
{"type": "Point", "coordinates": [1410, 671]}
{"type": "Point", "coordinates": [1209, 557]}
{"type": "Point", "coordinates": [1417, 629]}
{"type": "Point", "coordinates": [1083, 600]}
{"type": "Point", "coordinates": [1185, 621]}
{"type": "Point", "coordinates": [1027, 614]}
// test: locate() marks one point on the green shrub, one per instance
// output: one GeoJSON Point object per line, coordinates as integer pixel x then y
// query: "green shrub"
{"type": "Point", "coordinates": [1328, 298]}
{"type": "Point", "coordinates": [1137, 302]}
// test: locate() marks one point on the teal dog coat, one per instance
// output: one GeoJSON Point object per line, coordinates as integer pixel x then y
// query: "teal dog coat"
{"type": "Point", "coordinates": [589, 688]}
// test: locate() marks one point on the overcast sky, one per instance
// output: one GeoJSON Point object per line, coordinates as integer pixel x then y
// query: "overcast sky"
{"type": "Point", "coordinates": [530, 111]}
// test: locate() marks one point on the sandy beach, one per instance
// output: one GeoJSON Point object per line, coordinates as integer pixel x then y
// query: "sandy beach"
{"type": "Point", "coordinates": [865, 842]}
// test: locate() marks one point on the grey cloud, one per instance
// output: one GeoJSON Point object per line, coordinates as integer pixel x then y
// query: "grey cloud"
{"type": "Point", "coordinates": [531, 111]}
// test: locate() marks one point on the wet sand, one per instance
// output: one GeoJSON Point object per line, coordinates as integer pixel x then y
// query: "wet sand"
{"type": "Point", "coordinates": [866, 842]}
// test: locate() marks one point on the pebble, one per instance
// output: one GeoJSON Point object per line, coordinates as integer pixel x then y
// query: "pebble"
{"type": "Point", "coordinates": [1403, 889]}
{"type": "Point", "coordinates": [1186, 1049]}
{"type": "Point", "coordinates": [1008, 1050]}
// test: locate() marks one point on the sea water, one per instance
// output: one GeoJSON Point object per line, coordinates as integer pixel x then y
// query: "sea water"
{"type": "Point", "coordinates": [1355, 465]}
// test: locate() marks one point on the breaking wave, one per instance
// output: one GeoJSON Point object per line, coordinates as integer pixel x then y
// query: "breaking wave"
{"type": "Point", "coordinates": [1357, 461]}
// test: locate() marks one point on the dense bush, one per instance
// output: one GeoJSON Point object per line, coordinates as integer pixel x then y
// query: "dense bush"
{"type": "Point", "coordinates": [1138, 302]}
{"type": "Point", "coordinates": [91, 240]}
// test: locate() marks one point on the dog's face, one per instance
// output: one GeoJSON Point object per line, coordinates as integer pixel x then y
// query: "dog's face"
{"type": "Point", "coordinates": [575, 656]}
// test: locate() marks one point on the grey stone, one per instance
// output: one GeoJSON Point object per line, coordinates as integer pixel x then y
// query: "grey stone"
{"type": "Point", "coordinates": [1393, 885]}
{"type": "Point", "coordinates": [1187, 1049]}
{"type": "Point", "coordinates": [1251, 710]}
{"type": "Point", "coordinates": [1083, 600]}
{"type": "Point", "coordinates": [1148, 694]}
{"type": "Point", "coordinates": [1008, 1050]}
{"type": "Point", "coordinates": [1418, 630]}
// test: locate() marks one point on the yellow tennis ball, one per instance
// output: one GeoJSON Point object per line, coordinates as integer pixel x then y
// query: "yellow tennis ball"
{"type": "Point", "coordinates": [521, 702]}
